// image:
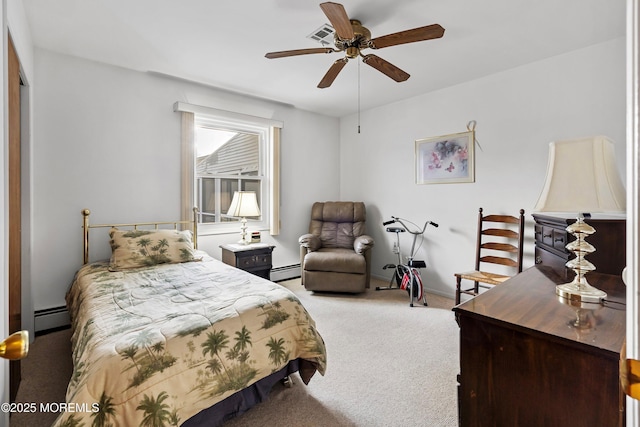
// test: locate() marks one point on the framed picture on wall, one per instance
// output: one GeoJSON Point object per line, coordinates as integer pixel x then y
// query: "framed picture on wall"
{"type": "Point", "coordinates": [445, 159]}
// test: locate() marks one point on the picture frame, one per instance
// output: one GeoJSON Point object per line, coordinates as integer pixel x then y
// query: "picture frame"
{"type": "Point", "coordinates": [446, 159]}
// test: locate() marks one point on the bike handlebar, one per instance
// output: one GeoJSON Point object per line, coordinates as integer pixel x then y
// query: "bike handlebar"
{"type": "Point", "coordinates": [397, 219]}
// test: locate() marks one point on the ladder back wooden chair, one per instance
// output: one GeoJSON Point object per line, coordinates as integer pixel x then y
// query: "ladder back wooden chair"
{"type": "Point", "coordinates": [499, 242]}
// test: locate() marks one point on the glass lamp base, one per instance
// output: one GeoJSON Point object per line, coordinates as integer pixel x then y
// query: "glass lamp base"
{"type": "Point", "coordinates": [580, 292]}
{"type": "Point", "coordinates": [243, 232]}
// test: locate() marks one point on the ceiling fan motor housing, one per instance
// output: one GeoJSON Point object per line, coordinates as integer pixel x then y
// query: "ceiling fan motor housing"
{"type": "Point", "coordinates": [361, 37]}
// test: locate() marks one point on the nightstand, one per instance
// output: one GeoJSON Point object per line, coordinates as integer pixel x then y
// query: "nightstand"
{"type": "Point", "coordinates": [254, 258]}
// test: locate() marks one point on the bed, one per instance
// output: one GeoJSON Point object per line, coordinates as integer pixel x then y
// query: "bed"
{"type": "Point", "coordinates": [163, 334]}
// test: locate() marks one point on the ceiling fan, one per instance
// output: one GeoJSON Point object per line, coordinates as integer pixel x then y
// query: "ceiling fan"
{"type": "Point", "coordinates": [351, 37]}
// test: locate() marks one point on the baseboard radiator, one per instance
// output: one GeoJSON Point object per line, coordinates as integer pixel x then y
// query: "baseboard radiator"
{"type": "Point", "coordinates": [285, 273]}
{"type": "Point", "coordinates": [51, 318]}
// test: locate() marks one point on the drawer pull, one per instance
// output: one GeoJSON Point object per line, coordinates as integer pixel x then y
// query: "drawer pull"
{"type": "Point", "coordinates": [559, 239]}
{"type": "Point", "coordinates": [547, 235]}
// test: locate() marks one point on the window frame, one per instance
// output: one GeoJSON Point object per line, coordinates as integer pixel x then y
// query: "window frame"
{"type": "Point", "coordinates": [268, 132]}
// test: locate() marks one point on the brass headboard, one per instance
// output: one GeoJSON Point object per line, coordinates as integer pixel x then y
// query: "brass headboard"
{"type": "Point", "coordinates": [193, 223]}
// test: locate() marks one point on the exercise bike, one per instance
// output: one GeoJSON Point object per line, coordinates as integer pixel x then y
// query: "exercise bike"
{"type": "Point", "coordinates": [407, 275]}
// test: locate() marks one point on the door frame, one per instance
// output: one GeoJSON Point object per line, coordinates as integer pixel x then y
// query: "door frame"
{"type": "Point", "coordinates": [633, 196]}
{"type": "Point", "coordinates": [15, 205]}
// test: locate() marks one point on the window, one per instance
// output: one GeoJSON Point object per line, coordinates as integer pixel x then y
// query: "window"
{"type": "Point", "coordinates": [225, 152]}
{"type": "Point", "coordinates": [226, 162]}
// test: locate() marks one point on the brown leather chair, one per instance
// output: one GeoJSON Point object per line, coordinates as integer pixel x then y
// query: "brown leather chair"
{"type": "Point", "coordinates": [336, 253]}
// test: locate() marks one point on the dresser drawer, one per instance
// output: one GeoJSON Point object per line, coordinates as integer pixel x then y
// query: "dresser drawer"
{"type": "Point", "coordinates": [253, 258]}
{"type": "Point", "coordinates": [551, 238]}
{"type": "Point", "coordinates": [253, 261]}
{"type": "Point", "coordinates": [543, 257]}
{"type": "Point", "coordinates": [560, 239]}
{"type": "Point", "coordinates": [537, 233]}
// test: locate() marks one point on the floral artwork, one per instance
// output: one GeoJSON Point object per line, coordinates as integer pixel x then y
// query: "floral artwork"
{"type": "Point", "coordinates": [445, 159]}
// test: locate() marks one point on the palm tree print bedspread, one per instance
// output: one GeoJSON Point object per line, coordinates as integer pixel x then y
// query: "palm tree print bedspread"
{"type": "Point", "coordinates": [154, 346]}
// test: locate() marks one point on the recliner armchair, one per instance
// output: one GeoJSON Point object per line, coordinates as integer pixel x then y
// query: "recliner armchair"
{"type": "Point", "coordinates": [336, 253]}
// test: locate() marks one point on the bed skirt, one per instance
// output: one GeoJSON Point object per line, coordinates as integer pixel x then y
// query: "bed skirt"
{"type": "Point", "coordinates": [243, 400]}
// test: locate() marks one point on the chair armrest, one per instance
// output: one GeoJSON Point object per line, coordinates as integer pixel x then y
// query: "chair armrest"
{"type": "Point", "coordinates": [310, 241]}
{"type": "Point", "coordinates": [362, 244]}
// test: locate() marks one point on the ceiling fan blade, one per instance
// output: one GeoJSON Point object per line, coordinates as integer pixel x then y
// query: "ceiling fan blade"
{"type": "Point", "coordinates": [429, 32]}
{"type": "Point", "coordinates": [285, 53]}
{"type": "Point", "coordinates": [333, 72]}
{"type": "Point", "coordinates": [339, 19]}
{"type": "Point", "coordinates": [385, 67]}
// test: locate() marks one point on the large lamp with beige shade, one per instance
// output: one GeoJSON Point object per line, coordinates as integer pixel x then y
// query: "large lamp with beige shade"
{"type": "Point", "coordinates": [582, 178]}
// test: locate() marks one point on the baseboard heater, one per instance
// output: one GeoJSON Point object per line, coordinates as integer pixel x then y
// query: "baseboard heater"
{"type": "Point", "coordinates": [287, 272]}
{"type": "Point", "coordinates": [51, 318]}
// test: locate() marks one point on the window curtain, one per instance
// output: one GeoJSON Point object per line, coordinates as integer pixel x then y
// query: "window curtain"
{"type": "Point", "coordinates": [187, 154]}
{"type": "Point", "coordinates": [274, 217]}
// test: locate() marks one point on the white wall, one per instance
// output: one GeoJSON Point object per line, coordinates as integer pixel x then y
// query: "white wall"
{"type": "Point", "coordinates": [107, 139]}
{"type": "Point", "coordinates": [518, 112]}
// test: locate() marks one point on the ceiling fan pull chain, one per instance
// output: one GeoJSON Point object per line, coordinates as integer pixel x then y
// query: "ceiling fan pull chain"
{"type": "Point", "coordinates": [358, 96]}
{"type": "Point", "coordinates": [471, 127]}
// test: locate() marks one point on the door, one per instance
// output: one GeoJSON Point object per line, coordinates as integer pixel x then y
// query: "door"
{"type": "Point", "coordinates": [15, 226]}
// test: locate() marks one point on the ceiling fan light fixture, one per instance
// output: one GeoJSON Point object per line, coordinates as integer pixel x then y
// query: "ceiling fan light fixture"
{"type": "Point", "coordinates": [352, 52]}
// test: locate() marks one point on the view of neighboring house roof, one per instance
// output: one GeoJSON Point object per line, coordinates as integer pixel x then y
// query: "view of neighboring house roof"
{"type": "Point", "coordinates": [239, 156]}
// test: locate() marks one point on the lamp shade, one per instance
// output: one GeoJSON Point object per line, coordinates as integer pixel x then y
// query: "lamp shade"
{"type": "Point", "coordinates": [582, 177]}
{"type": "Point", "coordinates": [244, 204]}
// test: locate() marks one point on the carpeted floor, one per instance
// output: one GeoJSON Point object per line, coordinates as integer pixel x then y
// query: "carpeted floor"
{"type": "Point", "coordinates": [45, 374]}
{"type": "Point", "coordinates": [388, 364]}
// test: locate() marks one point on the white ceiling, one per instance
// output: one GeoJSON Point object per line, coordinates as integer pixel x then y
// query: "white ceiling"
{"type": "Point", "coordinates": [222, 43]}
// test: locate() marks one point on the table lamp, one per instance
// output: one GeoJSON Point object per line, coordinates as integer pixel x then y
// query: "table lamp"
{"type": "Point", "coordinates": [244, 204]}
{"type": "Point", "coordinates": [582, 178]}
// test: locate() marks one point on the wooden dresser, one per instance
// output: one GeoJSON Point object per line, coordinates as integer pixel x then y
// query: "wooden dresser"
{"type": "Point", "coordinates": [609, 240]}
{"type": "Point", "coordinates": [525, 362]}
